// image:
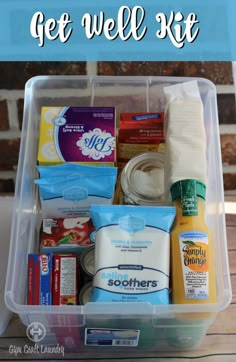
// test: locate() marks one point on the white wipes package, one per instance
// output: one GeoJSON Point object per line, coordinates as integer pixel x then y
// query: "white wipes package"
{"type": "Point", "coordinates": [132, 253]}
{"type": "Point", "coordinates": [185, 134]}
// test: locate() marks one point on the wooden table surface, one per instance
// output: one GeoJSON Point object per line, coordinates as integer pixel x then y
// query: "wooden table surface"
{"type": "Point", "coordinates": [219, 344]}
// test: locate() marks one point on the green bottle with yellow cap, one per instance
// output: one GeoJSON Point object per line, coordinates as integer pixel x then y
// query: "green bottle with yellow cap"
{"type": "Point", "coordinates": [192, 254]}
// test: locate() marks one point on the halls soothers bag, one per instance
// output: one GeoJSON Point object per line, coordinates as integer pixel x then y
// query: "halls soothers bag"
{"type": "Point", "coordinates": [132, 253]}
{"type": "Point", "coordinates": [72, 195]}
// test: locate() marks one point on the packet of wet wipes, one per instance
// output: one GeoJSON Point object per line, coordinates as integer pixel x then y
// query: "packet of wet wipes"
{"type": "Point", "coordinates": [72, 196]}
{"type": "Point", "coordinates": [132, 253]}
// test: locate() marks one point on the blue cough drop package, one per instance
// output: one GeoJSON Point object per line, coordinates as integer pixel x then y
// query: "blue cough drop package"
{"type": "Point", "coordinates": [69, 191]}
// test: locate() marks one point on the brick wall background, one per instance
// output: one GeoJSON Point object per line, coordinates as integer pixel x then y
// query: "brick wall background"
{"type": "Point", "coordinates": [15, 74]}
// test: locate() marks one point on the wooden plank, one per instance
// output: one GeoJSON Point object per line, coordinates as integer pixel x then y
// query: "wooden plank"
{"type": "Point", "coordinates": [207, 358]}
{"type": "Point", "coordinates": [214, 343]}
{"type": "Point", "coordinates": [214, 347]}
{"type": "Point", "coordinates": [225, 321]}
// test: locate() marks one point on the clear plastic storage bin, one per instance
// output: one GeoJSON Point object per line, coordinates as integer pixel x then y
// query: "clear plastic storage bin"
{"type": "Point", "coordinates": [160, 327]}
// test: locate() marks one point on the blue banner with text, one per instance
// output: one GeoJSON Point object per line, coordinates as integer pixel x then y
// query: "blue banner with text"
{"type": "Point", "coordinates": [118, 30]}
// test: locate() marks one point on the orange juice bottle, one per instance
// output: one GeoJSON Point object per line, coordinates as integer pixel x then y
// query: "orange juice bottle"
{"type": "Point", "coordinates": [192, 259]}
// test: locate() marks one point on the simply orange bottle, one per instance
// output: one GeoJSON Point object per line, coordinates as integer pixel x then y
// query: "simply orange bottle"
{"type": "Point", "coordinates": [192, 256]}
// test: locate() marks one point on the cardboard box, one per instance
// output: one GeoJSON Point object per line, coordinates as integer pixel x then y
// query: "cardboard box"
{"type": "Point", "coordinates": [72, 235]}
{"type": "Point", "coordinates": [84, 135]}
{"type": "Point", "coordinates": [140, 133]}
{"type": "Point", "coordinates": [65, 275]}
{"type": "Point", "coordinates": [40, 279]}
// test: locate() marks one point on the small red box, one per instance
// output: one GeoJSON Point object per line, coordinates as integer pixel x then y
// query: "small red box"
{"type": "Point", "coordinates": [67, 235]}
{"type": "Point", "coordinates": [39, 279]}
{"type": "Point", "coordinates": [65, 280]}
{"type": "Point", "coordinates": [139, 133]}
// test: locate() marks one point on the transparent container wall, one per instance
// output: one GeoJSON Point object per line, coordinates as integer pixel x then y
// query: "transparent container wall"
{"type": "Point", "coordinates": [159, 324]}
{"type": "Point", "coordinates": [156, 334]}
{"type": "Point", "coordinates": [124, 94]}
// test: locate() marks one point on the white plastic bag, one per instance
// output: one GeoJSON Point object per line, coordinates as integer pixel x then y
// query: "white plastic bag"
{"type": "Point", "coordinates": [185, 134]}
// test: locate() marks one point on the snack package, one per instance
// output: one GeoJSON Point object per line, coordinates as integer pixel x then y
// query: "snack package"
{"type": "Point", "coordinates": [72, 235]}
{"type": "Point", "coordinates": [139, 133]}
{"type": "Point", "coordinates": [77, 134]}
{"type": "Point", "coordinates": [132, 253]}
{"type": "Point", "coordinates": [65, 283]}
{"type": "Point", "coordinates": [39, 279]}
{"type": "Point", "coordinates": [72, 195]}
